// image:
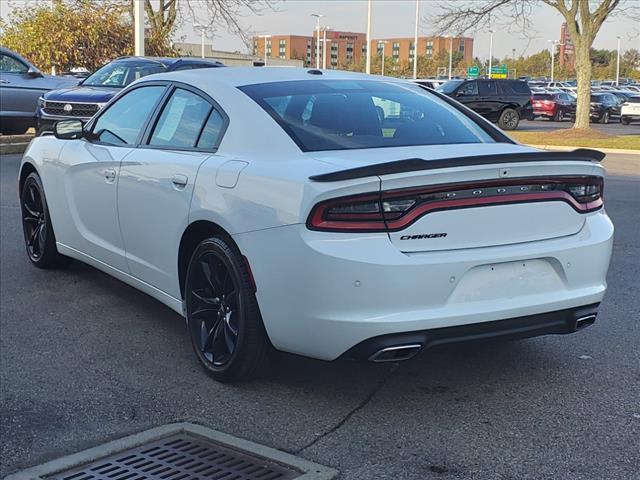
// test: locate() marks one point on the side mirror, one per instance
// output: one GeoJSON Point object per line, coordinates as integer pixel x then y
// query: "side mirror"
{"type": "Point", "coordinates": [460, 93]}
{"type": "Point", "coordinates": [68, 129]}
{"type": "Point", "coordinates": [34, 72]}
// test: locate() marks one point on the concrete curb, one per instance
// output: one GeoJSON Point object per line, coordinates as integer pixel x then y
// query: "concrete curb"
{"type": "Point", "coordinates": [569, 148]}
{"type": "Point", "coordinates": [11, 144]}
{"type": "Point", "coordinates": [312, 471]}
{"type": "Point", "coordinates": [12, 148]}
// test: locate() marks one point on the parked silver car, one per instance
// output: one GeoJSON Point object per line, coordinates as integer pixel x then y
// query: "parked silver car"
{"type": "Point", "coordinates": [21, 84]}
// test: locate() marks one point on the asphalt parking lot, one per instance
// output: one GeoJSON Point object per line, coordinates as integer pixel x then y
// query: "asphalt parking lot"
{"type": "Point", "coordinates": [613, 128]}
{"type": "Point", "coordinates": [85, 359]}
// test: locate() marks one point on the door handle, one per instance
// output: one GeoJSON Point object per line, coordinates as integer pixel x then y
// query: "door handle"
{"type": "Point", "coordinates": [179, 181]}
{"type": "Point", "coordinates": [109, 175]}
{"type": "Point", "coordinates": [2, 80]}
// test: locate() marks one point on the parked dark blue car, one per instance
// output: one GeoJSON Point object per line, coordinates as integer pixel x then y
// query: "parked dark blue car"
{"type": "Point", "coordinates": [21, 85]}
{"type": "Point", "coordinates": [83, 101]}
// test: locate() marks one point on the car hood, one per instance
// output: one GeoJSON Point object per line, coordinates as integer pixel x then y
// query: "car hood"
{"type": "Point", "coordinates": [82, 94]}
{"type": "Point", "coordinates": [60, 81]}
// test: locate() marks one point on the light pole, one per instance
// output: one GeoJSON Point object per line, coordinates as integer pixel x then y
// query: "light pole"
{"type": "Point", "coordinates": [415, 42]}
{"type": "Point", "coordinates": [383, 43]}
{"type": "Point", "coordinates": [491, 51]}
{"type": "Point", "coordinates": [266, 39]}
{"type": "Point", "coordinates": [618, 63]}
{"type": "Point", "coordinates": [368, 64]}
{"type": "Point", "coordinates": [138, 27]}
{"type": "Point", "coordinates": [553, 57]}
{"type": "Point", "coordinates": [197, 26]}
{"type": "Point", "coordinates": [450, 55]}
{"type": "Point", "coordinates": [324, 47]}
{"type": "Point", "coordinates": [318, 17]}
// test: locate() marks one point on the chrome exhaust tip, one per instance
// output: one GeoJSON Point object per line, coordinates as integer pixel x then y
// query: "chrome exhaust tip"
{"type": "Point", "coordinates": [398, 353]}
{"type": "Point", "coordinates": [584, 322]}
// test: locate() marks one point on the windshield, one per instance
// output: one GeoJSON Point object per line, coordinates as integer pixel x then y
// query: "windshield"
{"type": "Point", "coordinates": [449, 86]}
{"type": "Point", "coordinates": [120, 74]}
{"type": "Point", "coordinates": [345, 114]}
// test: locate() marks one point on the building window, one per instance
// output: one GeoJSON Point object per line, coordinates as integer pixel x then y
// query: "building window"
{"type": "Point", "coordinates": [461, 48]}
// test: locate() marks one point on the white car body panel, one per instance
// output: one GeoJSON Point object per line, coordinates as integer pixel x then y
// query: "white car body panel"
{"type": "Point", "coordinates": [150, 201]}
{"type": "Point", "coordinates": [321, 293]}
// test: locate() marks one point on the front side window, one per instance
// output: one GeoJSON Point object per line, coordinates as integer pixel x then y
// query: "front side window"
{"type": "Point", "coordinates": [450, 86]}
{"type": "Point", "coordinates": [343, 114]}
{"type": "Point", "coordinates": [123, 121]}
{"type": "Point", "coordinates": [120, 74]}
{"type": "Point", "coordinates": [12, 65]}
{"type": "Point", "coordinates": [181, 120]}
{"type": "Point", "coordinates": [469, 88]}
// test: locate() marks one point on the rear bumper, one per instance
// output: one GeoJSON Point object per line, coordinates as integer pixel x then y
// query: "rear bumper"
{"type": "Point", "coordinates": [320, 294]}
{"type": "Point", "coordinates": [559, 322]}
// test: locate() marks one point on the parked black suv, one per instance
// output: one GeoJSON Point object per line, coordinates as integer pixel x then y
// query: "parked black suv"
{"type": "Point", "coordinates": [504, 102]}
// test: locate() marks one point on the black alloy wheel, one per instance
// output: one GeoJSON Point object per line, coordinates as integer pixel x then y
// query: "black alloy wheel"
{"type": "Point", "coordinates": [224, 323]}
{"type": "Point", "coordinates": [40, 240]}
{"type": "Point", "coordinates": [509, 119]}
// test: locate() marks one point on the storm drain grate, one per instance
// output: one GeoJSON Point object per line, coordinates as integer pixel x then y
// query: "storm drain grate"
{"type": "Point", "coordinates": [180, 457]}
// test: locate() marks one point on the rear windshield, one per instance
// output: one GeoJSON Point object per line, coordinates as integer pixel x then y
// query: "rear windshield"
{"type": "Point", "coordinates": [542, 96]}
{"type": "Point", "coordinates": [345, 114]}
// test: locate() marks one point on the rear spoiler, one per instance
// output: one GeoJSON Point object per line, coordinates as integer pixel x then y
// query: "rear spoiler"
{"type": "Point", "coordinates": [417, 164]}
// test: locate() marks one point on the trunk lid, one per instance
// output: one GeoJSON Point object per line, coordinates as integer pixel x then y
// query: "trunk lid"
{"type": "Point", "coordinates": [475, 206]}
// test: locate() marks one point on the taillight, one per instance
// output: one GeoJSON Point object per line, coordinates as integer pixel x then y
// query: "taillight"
{"type": "Point", "coordinates": [395, 210]}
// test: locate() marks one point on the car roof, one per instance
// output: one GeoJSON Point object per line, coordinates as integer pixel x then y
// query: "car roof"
{"type": "Point", "coordinates": [240, 76]}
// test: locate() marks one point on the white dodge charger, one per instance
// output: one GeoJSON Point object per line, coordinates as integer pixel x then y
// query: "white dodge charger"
{"type": "Point", "coordinates": [323, 213]}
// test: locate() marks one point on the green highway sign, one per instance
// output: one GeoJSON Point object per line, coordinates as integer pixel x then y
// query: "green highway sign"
{"type": "Point", "coordinates": [473, 71]}
{"type": "Point", "coordinates": [499, 71]}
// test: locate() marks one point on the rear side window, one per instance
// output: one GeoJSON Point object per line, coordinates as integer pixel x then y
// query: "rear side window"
{"type": "Point", "coordinates": [633, 100]}
{"type": "Point", "coordinates": [123, 121]}
{"type": "Point", "coordinates": [515, 87]}
{"type": "Point", "coordinates": [210, 137]}
{"type": "Point", "coordinates": [486, 87]}
{"type": "Point", "coordinates": [181, 121]}
{"type": "Point", "coordinates": [346, 114]}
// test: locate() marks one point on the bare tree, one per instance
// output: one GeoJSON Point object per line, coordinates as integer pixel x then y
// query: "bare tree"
{"type": "Point", "coordinates": [163, 15]}
{"type": "Point", "coordinates": [583, 17]}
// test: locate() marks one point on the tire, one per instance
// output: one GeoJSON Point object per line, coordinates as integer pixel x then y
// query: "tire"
{"type": "Point", "coordinates": [226, 329]}
{"type": "Point", "coordinates": [509, 119]}
{"type": "Point", "coordinates": [605, 117]}
{"type": "Point", "coordinates": [40, 241]}
{"type": "Point", "coordinates": [625, 120]}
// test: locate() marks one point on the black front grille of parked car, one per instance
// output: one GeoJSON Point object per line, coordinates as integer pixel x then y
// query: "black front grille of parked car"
{"type": "Point", "coordinates": [71, 110]}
